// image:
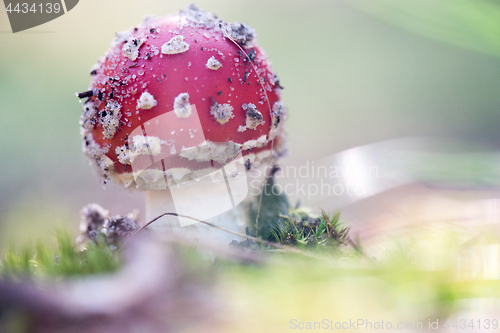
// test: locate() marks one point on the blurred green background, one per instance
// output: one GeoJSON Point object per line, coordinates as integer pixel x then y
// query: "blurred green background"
{"type": "Point", "coordinates": [354, 72]}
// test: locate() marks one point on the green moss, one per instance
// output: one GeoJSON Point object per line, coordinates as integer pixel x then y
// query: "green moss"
{"type": "Point", "coordinates": [65, 259]}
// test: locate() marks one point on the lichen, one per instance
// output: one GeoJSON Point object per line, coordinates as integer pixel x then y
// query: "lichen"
{"type": "Point", "coordinates": [118, 229]}
{"type": "Point", "coordinates": [115, 229]}
{"type": "Point", "coordinates": [92, 219]}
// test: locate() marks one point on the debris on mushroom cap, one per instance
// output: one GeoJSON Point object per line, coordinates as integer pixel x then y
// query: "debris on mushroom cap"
{"type": "Point", "coordinates": [123, 155]}
{"type": "Point", "coordinates": [197, 66]}
{"type": "Point", "coordinates": [259, 143]}
{"type": "Point", "coordinates": [254, 117]}
{"type": "Point", "coordinates": [140, 145]}
{"type": "Point", "coordinates": [243, 34]}
{"type": "Point", "coordinates": [131, 48]}
{"type": "Point", "coordinates": [88, 118]}
{"type": "Point", "coordinates": [146, 145]}
{"type": "Point", "coordinates": [147, 101]}
{"type": "Point", "coordinates": [213, 63]}
{"type": "Point", "coordinates": [97, 155]}
{"type": "Point", "coordinates": [110, 119]}
{"type": "Point", "coordinates": [212, 151]}
{"type": "Point", "coordinates": [175, 45]}
{"type": "Point", "coordinates": [222, 112]}
{"type": "Point", "coordinates": [278, 110]}
{"type": "Point", "coordinates": [200, 18]}
{"type": "Point", "coordinates": [182, 108]}
{"type": "Point", "coordinates": [278, 117]}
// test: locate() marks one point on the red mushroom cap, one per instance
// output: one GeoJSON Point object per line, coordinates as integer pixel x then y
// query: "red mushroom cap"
{"type": "Point", "coordinates": [181, 94]}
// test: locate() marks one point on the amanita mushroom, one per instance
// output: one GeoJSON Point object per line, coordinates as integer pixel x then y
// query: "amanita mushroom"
{"type": "Point", "coordinates": [178, 101]}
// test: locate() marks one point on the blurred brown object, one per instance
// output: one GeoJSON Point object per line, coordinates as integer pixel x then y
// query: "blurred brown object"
{"type": "Point", "coordinates": [153, 292]}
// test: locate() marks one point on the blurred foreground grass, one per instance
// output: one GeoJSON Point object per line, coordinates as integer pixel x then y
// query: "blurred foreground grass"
{"type": "Point", "coordinates": [62, 260]}
{"type": "Point", "coordinates": [430, 272]}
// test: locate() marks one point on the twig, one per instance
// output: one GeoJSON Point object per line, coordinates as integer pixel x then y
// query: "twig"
{"type": "Point", "coordinates": [235, 255]}
{"type": "Point", "coordinates": [85, 94]}
{"type": "Point", "coordinates": [255, 239]}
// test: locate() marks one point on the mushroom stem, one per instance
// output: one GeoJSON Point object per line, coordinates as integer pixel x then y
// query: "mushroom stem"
{"type": "Point", "coordinates": [193, 201]}
{"type": "Point", "coordinates": [157, 203]}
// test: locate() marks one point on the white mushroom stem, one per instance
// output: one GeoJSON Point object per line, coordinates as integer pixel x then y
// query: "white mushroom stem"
{"type": "Point", "coordinates": [207, 202]}
{"type": "Point", "coordinates": [214, 196]}
{"type": "Point", "coordinates": [157, 203]}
